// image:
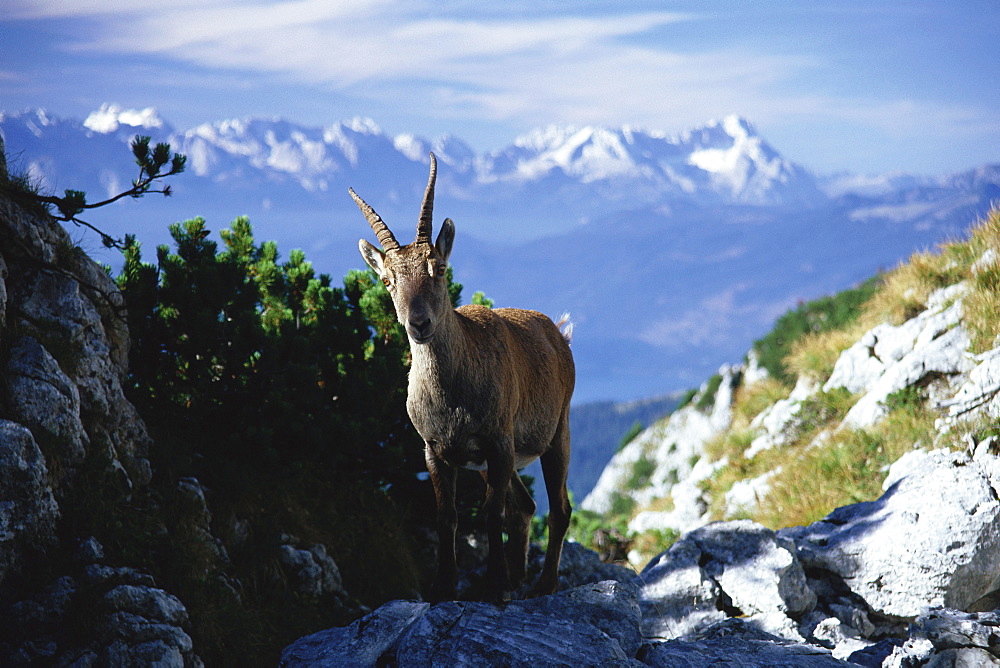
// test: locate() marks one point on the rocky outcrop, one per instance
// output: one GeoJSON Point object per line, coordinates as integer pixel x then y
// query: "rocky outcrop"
{"type": "Point", "coordinates": [28, 510]}
{"type": "Point", "coordinates": [675, 447]}
{"type": "Point", "coordinates": [129, 620]}
{"type": "Point", "coordinates": [894, 582]}
{"type": "Point", "coordinates": [68, 436]}
{"type": "Point", "coordinates": [927, 350]}
{"type": "Point", "coordinates": [931, 540]}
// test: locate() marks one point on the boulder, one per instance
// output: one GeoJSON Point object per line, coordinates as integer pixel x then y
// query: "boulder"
{"type": "Point", "coordinates": [949, 638]}
{"type": "Point", "coordinates": [724, 569]}
{"type": "Point", "coordinates": [931, 540]}
{"type": "Point", "coordinates": [597, 623]}
{"type": "Point", "coordinates": [361, 644]}
{"type": "Point", "coordinates": [736, 643]}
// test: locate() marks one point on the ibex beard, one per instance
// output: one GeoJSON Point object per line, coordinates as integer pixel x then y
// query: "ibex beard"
{"type": "Point", "coordinates": [488, 390]}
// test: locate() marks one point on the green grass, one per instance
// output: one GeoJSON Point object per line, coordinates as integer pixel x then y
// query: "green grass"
{"type": "Point", "coordinates": [819, 315]}
{"type": "Point", "coordinates": [642, 472]}
{"type": "Point", "coordinates": [707, 398]}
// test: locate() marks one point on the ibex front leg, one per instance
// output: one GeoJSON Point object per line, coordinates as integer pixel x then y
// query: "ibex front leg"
{"type": "Point", "coordinates": [443, 480]}
{"type": "Point", "coordinates": [500, 469]}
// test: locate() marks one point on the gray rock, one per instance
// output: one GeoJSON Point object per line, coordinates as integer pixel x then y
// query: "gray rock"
{"type": "Point", "coordinates": [932, 540]}
{"type": "Point", "coordinates": [147, 602]}
{"type": "Point", "coordinates": [313, 572]}
{"type": "Point", "coordinates": [980, 393]}
{"type": "Point", "coordinates": [725, 569]}
{"type": "Point", "coordinates": [578, 566]}
{"type": "Point", "coordinates": [676, 597]}
{"type": "Point", "coordinates": [736, 643]}
{"type": "Point", "coordinates": [954, 630]}
{"type": "Point", "coordinates": [28, 510]}
{"type": "Point", "coordinates": [43, 398]}
{"type": "Point", "coordinates": [361, 644]}
{"type": "Point", "coordinates": [890, 358]}
{"type": "Point", "coordinates": [89, 551]}
{"type": "Point", "coordinates": [3, 293]}
{"type": "Point", "coordinates": [193, 523]}
{"type": "Point", "coordinates": [597, 624]}
{"type": "Point", "coordinates": [71, 315]}
{"type": "Point", "coordinates": [144, 626]}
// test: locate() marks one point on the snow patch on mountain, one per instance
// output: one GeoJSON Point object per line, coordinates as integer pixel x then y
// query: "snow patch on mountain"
{"type": "Point", "coordinates": [747, 167]}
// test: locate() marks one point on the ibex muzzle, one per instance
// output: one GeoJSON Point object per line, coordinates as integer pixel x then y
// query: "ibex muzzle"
{"type": "Point", "coordinates": [488, 390]}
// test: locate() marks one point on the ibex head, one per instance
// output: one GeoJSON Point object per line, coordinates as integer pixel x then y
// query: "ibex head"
{"type": "Point", "coordinates": [414, 274]}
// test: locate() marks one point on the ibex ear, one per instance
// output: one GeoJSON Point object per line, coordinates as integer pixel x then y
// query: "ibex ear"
{"type": "Point", "coordinates": [373, 256]}
{"type": "Point", "coordinates": [445, 238]}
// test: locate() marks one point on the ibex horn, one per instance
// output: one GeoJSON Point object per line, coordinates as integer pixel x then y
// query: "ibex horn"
{"type": "Point", "coordinates": [426, 222]}
{"type": "Point", "coordinates": [381, 230]}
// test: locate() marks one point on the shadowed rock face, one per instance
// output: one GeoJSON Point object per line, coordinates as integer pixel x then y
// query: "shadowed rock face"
{"type": "Point", "coordinates": [63, 412]}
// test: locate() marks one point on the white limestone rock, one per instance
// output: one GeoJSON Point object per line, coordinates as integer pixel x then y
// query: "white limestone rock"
{"type": "Point", "coordinates": [736, 568]}
{"type": "Point", "coordinates": [931, 540]}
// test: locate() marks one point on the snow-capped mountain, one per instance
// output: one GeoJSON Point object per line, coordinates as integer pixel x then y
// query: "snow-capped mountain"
{"type": "Point", "coordinates": [726, 161]}
{"type": "Point", "coordinates": [673, 252]}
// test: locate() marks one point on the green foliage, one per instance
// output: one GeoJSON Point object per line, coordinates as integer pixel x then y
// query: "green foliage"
{"type": "Point", "coordinates": [622, 505]}
{"type": "Point", "coordinates": [630, 435]}
{"type": "Point", "coordinates": [642, 471]}
{"type": "Point", "coordinates": [151, 163]}
{"type": "Point", "coordinates": [284, 395]}
{"type": "Point", "coordinates": [707, 399]}
{"type": "Point", "coordinates": [821, 409]}
{"type": "Point", "coordinates": [584, 524]}
{"type": "Point", "coordinates": [908, 398]}
{"type": "Point", "coordinates": [819, 315]}
{"type": "Point", "coordinates": [688, 396]}
{"type": "Point", "coordinates": [481, 299]}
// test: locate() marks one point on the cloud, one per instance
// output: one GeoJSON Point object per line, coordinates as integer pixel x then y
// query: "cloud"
{"type": "Point", "coordinates": [452, 63]}
{"type": "Point", "coordinates": [712, 323]}
{"type": "Point", "coordinates": [571, 68]}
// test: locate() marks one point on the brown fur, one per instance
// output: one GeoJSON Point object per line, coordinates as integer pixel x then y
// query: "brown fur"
{"type": "Point", "coordinates": [488, 390]}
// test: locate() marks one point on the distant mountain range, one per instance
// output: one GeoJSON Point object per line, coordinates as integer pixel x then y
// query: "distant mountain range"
{"type": "Point", "coordinates": [672, 252]}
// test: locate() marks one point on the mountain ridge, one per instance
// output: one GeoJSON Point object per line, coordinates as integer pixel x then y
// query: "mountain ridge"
{"type": "Point", "coordinates": [669, 268]}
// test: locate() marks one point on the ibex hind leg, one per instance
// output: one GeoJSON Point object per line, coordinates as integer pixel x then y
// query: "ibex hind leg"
{"type": "Point", "coordinates": [555, 466]}
{"type": "Point", "coordinates": [519, 510]}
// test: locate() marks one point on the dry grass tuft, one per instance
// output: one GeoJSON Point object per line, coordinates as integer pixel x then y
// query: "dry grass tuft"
{"type": "Point", "coordinates": [816, 353]}
{"type": "Point", "coordinates": [751, 400]}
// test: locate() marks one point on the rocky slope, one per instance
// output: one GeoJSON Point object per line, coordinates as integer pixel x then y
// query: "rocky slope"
{"type": "Point", "coordinates": [924, 368]}
{"type": "Point", "coordinates": [908, 576]}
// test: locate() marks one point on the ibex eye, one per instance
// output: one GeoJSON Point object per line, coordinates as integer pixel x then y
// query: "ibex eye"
{"type": "Point", "coordinates": [441, 269]}
{"type": "Point", "coordinates": [386, 281]}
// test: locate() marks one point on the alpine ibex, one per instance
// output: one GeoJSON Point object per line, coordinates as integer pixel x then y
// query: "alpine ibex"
{"type": "Point", "coordinates": [489, 390]}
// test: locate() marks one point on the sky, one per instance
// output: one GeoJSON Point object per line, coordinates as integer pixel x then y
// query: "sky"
{"type": "Point", "coordinates": [863, 87]}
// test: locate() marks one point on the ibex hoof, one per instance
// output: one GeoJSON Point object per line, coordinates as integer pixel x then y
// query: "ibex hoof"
{"type": "Point", "coordinates": [542, 588]}
{"type": "Point", "coordinates": [497, 597]}
{"type": "Point", "coordinates": [441, 591]}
